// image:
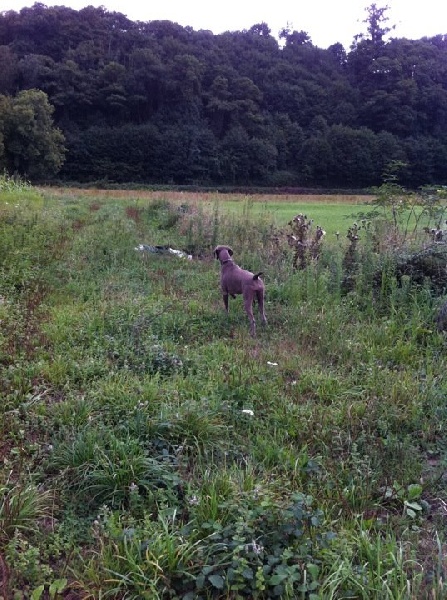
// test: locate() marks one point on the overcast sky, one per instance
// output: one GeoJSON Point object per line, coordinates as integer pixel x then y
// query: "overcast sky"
{"type": "Point", "coordinates": [326, 21]}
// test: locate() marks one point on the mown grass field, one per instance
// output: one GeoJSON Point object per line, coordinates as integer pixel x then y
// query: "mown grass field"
{"type": "Point", "coordinates": [150, 448]}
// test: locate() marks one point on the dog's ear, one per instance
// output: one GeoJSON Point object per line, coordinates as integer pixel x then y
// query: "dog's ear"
{"type": "Point", "coordinates": [216, 252]}
{"type": "Point", "coordinates": [230, 251]}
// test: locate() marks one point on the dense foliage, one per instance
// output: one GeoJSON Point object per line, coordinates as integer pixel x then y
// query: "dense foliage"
{"type": "Point", "coordinates": [157, 102]}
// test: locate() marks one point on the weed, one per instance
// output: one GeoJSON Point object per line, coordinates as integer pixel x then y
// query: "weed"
{"type": "Point", "coordinates": [21, 507]}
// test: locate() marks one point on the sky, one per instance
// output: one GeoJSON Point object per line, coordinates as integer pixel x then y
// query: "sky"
{"type": "Point", "coordinates": [325, 21]}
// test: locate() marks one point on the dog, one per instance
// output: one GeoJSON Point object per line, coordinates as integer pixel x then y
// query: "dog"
{"type": "Point", "coordinates": [234, 280]}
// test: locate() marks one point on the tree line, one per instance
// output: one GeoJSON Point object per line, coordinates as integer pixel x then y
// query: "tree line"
{"type": "Point", "coordinates": [92, 96]}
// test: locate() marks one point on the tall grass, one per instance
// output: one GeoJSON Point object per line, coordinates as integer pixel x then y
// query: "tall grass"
{"type": "Point", "coordinates": [182, 457]}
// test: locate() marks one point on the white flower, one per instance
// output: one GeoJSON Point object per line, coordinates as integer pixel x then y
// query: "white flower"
{"type": "Point", "coordinates": [272, 364]}
{"type": "Point", "coordinates": [256, 491]}
{"type": "Point", "coordinates": [256, 548]}
{"type": "Point", "coordinates": [247, 411]}
{"type": "Point", "coordinates": [133, 488]}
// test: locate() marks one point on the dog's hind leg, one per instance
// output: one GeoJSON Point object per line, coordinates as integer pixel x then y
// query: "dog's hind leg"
{"type": "Point", "coordinates": [248, 305]}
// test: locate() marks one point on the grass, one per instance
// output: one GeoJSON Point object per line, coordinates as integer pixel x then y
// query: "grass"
{"type": "Point", "coordinates": [151, 449]}
{"type": "Point", "coordinates": [333, 211]}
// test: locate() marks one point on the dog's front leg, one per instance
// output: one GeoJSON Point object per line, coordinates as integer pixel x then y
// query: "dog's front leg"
{"type": "Point", "coordinates": [260, 297]}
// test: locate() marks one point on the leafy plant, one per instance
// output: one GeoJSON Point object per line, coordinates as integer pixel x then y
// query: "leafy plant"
{"type": "Point", "coordinates": [13, 184]}
{"type": "Point", "coordinates": [105, 469]}
{"type": "Point", "coordinates": [55, 589]}
{"type": "Point", "coordinates": [408, 497]}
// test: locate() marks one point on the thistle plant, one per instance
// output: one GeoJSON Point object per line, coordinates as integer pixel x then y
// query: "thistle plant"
{"type": "Point", "coordinates": [351, 258]}
{"type": "Point", "coordinates": [306, 248]}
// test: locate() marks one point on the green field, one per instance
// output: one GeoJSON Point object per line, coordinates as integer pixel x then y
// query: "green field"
{"type": "Point", "coordinates": [150, 448]}
{"type": "Point", "coordinates": [332, 217]}
{"type": "Point", "coordinates": [333, 213]}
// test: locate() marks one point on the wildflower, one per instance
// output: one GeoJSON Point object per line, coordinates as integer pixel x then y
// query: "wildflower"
{"type": "Point", "coordinates": [247, 411]}
{"type": "Point", "coordinates": [256, 491]}
{"type": "Point", "coordinates": [133, 487]}
{"type": "Point", "coordinates": [193, 501]}
{"type": "Point", "coordinates": [272, 364]}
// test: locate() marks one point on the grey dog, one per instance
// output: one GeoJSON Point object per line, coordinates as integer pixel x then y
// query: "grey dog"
{"type": "Point", "coordinates": [234, 280]}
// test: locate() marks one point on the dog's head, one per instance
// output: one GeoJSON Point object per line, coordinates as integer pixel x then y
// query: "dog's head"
{"type": "Point", "coordinates": [223, 253]}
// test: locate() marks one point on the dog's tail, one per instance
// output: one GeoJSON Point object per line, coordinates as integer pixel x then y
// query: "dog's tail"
{"type": "Point", "coordinates": [258, 275]}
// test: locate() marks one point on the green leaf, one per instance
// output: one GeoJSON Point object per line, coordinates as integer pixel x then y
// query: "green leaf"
{"type": "Point", "coordinates": [37, 593]}
{"type": "Point", "coordinates": [277, 578]}
{"type": "Point", "coordinates": [200, 581]}
{"type": "Point", "coordinates": [278, 590]}
{"type": "Point", "coordinates": [414, 491]}
{"type": "Point", "coordinates": [57, 587]}
{"type": "Point", "coordinates": [217, 581]}
{"type": "Point", "coordinates": [413, 505]}
{"type": "Point", "coordinates": [313, 570]}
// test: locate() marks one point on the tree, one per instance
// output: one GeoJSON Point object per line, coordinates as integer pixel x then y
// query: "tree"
{"type": "Point", "coordinates": [366, 48]}
{"type": "Point", "coordinates": [8, 70]}
{"type": "Point", "coordinates": [376, 27]}
{"type": "Point", "coordinates": [353, 154]}
{"type": "Point", "coordinates": [33, 147]}
{"type": "Point", "coordinates": [315, 160]}
{"type": "Point", "coordinates": [5, 110]}
{"type": "Point", "coordinates": [294, 38]}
